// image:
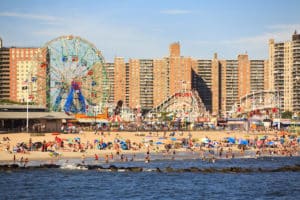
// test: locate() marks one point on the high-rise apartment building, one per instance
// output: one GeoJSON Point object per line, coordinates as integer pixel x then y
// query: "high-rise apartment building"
{"type": "Point", "coordinates": [284, 71]}
{"type": "Point", "coordinates": [202, 81]}
{"type": "Point", "coordinates": [257, 75]}
{"type": "Point", "coordinates": [221, 83]}
{"type": "Point", "coordinates": [140, 83]}
{"type": "Point", "coordinates": [109, 67]}
{"type": "Point", "coordinates": [119, 80]}
{"type": "Point", "coordinates": [134, 83]}
{"type": "Point", "coordinates": [296, 71]}
{"type": "Point", "coordinates": [244, 75]}
{"type": "Point", "coordinates": [4, 72]}
{"type": "Point", "coordinates": [146, 83]}
{"type": "Point", "coordinates": [215, 85]}
{"type": "Point", "coordinates": [26, 76]}
{"type": "Point", "coordinates": [180, 70]}
{"type": "Point", "coordinates": [160, 81]}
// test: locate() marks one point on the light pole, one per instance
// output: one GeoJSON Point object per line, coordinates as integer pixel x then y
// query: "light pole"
{"type": "Point", "coordinates": [279, 110]}
{"type": "Point", "coordinates": [27, 107]}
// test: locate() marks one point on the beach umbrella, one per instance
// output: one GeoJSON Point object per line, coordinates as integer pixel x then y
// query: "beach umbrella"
{"type": "Point", "coordinates": [159, 142]}
{"type": "Point", "coordinates": [205, 140]}
{"type": "Point", "coordinates": [173, 139]}
{"type": "Point", "coordinates": [262, 137]}
{"type": "Point", "coordinates": [70, 141]}
{"type": "Point", "coordinates": [259, 143]}
{"type": "Point", "coordinates": [244, 142]}
{"type": "Point", "coordinates": [231, 140]}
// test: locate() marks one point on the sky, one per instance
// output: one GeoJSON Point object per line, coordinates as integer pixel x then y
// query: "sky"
{"type": "Point", "coordinates": [145, 29]}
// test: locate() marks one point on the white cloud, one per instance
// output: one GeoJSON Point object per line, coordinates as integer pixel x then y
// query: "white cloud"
{"type": "Point", "coordinates": [284, 26]}
{"type": "Point", "coordinates": [279, 32]}
{"type": "Point", "coordinates": [175, 12]}
{"type": "Point", "coordinates": [29, 16]}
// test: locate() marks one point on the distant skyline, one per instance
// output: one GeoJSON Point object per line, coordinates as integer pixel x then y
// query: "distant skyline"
{"type": "Point", "coordinates": [144, 29]}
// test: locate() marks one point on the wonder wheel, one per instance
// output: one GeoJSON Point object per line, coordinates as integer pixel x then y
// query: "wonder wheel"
{"type": "Point", "coordinates": [70, 76]}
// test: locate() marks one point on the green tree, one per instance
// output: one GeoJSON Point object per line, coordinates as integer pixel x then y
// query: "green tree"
{"type": "Point", "coordinates": [287, 115]}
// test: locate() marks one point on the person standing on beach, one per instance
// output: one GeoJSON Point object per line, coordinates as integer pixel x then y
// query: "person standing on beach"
{"type": "Point", "coordinates": [83, 158]}
{"type": "Point", "coordinates": [173, 157]}
{"type": "Point", "coordinates": [26, 161]}
{"type": "Point", "coordinates": [106, 158]}
{"type": "Point", "coordinates": [30, 144]}
{"type": "Point", "coordinates": [96, 157]}
{"type": "Point", "coordinates": [21, 160]}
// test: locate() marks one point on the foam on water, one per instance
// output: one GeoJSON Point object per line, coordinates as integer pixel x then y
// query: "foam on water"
{"type": "Point", "coordinates": [73, 167]}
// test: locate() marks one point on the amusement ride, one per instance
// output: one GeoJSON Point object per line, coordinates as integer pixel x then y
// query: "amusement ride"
{"type": "Point", "coordinates": [68, 75]}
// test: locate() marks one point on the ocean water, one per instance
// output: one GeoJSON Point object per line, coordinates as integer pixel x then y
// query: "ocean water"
{"type": "Point", "coordinates": [93, 184]}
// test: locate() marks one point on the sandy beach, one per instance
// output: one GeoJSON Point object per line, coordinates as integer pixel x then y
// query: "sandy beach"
{"type": "Point", "coordinates": [141, 142]}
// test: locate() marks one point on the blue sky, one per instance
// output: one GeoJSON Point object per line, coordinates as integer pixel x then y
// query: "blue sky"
{"type": "Point", "coordinates": [144, 29]}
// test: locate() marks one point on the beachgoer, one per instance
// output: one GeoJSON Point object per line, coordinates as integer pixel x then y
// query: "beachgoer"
{"type": "Point", "coordinates": [147, 159]}
{"type": "Point", "coordinates": [106, 158]}
{"type": "Point", "coordinates": [96, 157]}
{"type": "Point", "coordinates": [173, 157]}
{"type": "Point", "coordinates": [26, 161]}
{"type": "Point", "coordinates": [82, 158]}
{"type": "Point", "coordinates": [30, 144]}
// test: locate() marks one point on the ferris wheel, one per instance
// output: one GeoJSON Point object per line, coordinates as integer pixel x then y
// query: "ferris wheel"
{"type": "Point", "coordinates": [69, 75]}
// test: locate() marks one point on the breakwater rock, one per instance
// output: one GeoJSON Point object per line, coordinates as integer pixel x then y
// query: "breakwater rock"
{"type": "Point", "coordinates": [113, 168]}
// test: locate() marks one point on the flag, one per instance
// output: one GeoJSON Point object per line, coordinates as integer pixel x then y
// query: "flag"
{"type": "Point", "coordinates": [64, 58]}
{"type": "Point", "coordinates": [74, 58]}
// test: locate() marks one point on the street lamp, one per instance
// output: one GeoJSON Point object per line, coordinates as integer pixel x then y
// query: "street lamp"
{"type": "Point", "coordinates": [279, 107]}
{"type": "Point", "coordinates": [277, 73]}
{"type": "Point", "coordinates": [27, 107]}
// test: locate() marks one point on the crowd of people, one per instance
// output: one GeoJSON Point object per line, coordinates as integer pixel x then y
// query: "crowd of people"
{"type": "Point", "coordinates": [113, 147]}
